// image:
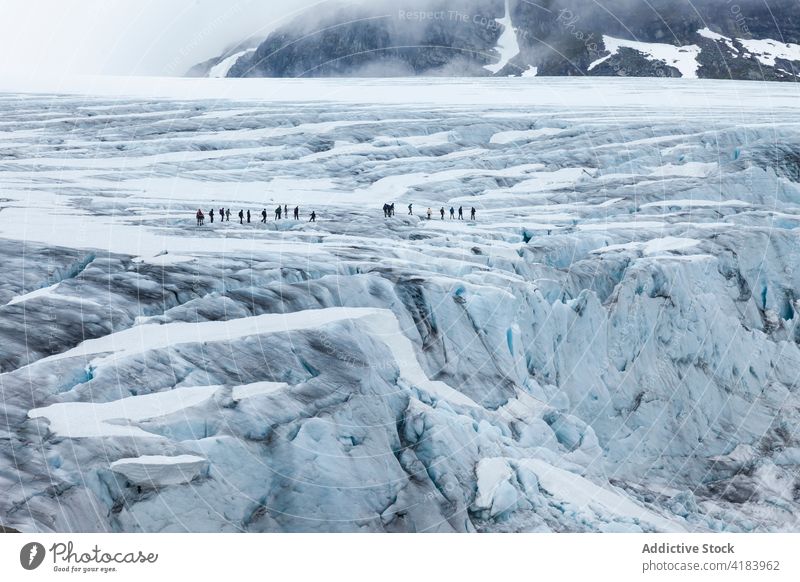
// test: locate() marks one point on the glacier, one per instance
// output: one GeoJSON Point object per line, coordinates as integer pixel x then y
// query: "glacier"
{"type": "Point", "coordinates": [611, 346]}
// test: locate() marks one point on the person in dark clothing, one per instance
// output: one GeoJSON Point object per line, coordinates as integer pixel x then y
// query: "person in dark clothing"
{"type": "Point", "coordinates": [264, 215]}
{"type": "Point", "coordinates": [286, 210]}
{"type": "Point", "coordinates": [386, 210]}
{"type": "Point", "coordinates": [241, 217]}
{"type": "Point", "coordinates": [222, 215]}
{"type": "Point", "coordinates": [461, 213]}
{"type": "Point", "coordinates": [391, 209]}
{"type": "Point", "coordinates": [441, 211]}
{"type": "Point", "coordinates": [278, 211]}
{"type": "Point", "coordinates": [211, 215]}
{"type": "Point", "coordinates": [227, 215]}
{"type": "Point", "coordinates": [452, 213]}
{"type": "Point", "coordinates": [472, 214]}
{"type": "Point", "coordinates": [199, 217]}
{"type": "Point", "coordinates": [313, 217]}
{"type": "Point", "coordinates": [410, 211]}
{"type": "Point", "coordinates": [248, 217]}
{"type": "Point", "coordinates": [297, 213]}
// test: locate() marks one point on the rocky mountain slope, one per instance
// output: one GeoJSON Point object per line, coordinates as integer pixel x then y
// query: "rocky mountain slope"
{"type": "Point", "coordinates": [755, 40]}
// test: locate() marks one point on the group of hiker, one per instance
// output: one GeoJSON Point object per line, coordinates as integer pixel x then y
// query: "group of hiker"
{"type": "Point", "coordinates": [225, 215]}
{"type": "Point", "coordinates": [388, 211]}
{"type": "Point", "coordinates": [283, 212]}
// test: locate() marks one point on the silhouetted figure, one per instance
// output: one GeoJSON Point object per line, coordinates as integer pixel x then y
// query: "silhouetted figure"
{"type": "Point", "coordinates": [286, 210]}
{"type": "Point", "coordinates": [278, 211]}
{"type": "Point", "coordinates": [472, 214]}
{"type": "Point", "coordinates": [452, 213]}
{"type": "Point", "coordinates": [211, 215]}
{"type": "Point", "coordinates": [441, 211]}
{"type": "Point", "coordinates": [313, 217]}
{"type": "Point", "coordinates": [222, 215]}
{"type": "Point", "coordinates": [248, 217]}
{"type": "Point", "coordinates": [264, 215]}
{"type": "Point", "coordinates": [410, 210]}
{"type": "Point", "coordinates": [297, 213]}
{"type": "Point", "coordinates": [461, 213]}
{"type": "Point", "coordinates": [199, 217]}
{"type": "Point", "coordinates": [386, 210]}
{"type": "Point", "coordinates": [227, 215]}
{"type": "Point", "coordinates": [391, 209]}
{"type": "Point", "coordinates": [429, 213]}
{"type": "Point", "coordinates": [241, 216]}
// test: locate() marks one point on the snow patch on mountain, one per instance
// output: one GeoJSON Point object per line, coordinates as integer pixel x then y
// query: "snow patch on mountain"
{"type": "Point", "coordinates": [683, 58]}
{"type": "Point", "coordinates": [221, 69]}
{"type": "Point", "coordinates": [767, 51]}
{"type": "Point", "coordinates": [711, 35]}
{"type": "Point", "coordinates": [507, 44]}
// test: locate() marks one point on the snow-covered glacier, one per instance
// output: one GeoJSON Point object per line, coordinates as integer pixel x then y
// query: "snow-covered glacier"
{"type": "Point", "coordinates": [612, 345]}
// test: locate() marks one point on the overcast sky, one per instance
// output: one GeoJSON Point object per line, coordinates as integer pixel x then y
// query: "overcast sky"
{"type": "Point", "coordinates": [129, 37]}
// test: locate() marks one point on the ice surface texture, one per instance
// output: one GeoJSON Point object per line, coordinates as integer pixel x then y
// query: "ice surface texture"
{"type": "Point", "coordinates": [610, 346]}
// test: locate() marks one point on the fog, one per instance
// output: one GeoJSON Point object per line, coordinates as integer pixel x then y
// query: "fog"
{"type": "Point", "coordinates": [129, 37]}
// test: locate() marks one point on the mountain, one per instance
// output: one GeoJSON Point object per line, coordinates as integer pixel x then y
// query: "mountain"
{"type": "Point", "coordinates": [754, 40]}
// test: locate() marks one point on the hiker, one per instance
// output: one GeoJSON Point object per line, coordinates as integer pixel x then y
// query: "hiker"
{"type": "Point", "coordinates": [461, 213]}
{"type": "Point", "coordinates": [248, 217]}
{"type": "Point", "coordinates": [385, 210]}
{"type": "Point", "coordinates": [297, 213]}
{"type": "Point", "coordinates": [472, 214]}
{"type": "Point", "coordinates": [441, 211]}
{"type": "Point", "coordinates": [286, 210]}
{"type": "Point", "coordinates": [278, 211]}
{"type": "Point", "coordinates": [410, 211]}
{"type": "Point", "coordinates": [429, 212]}
{"type": "Point", "coordinates": [241, 216]}
{"type": "Point", "coordinates": [391, 209]}
{"type": "Point", "coordinates": [264, 215]}
{"type": "Point", "coordinates": [313, 217]}
{"type": "Point", "coordinates": [211, 215]}
{"type": "Point", "coordinates": [227, 215]}
{"type": "Point", "coordinates": [222, 215]}
{"type": "Point", "coordinates": [199, 217]}
{"type": "Point", "coordinates": [452, 213]}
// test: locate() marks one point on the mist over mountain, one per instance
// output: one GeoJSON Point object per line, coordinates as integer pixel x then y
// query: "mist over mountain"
{"type": "Point", "coordinates": [721, 39]}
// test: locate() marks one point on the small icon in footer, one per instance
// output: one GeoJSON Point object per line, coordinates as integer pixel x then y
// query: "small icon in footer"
{"type": "Point", "coordinates": [31, 555]}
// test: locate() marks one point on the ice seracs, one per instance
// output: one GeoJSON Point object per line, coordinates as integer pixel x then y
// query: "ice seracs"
{"type": "Point", "coordinates": [159, 470]}
{"type": "Point", "coordinates": [77, 420]}
{"type": "Point", "coordinates": [611, 345]}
